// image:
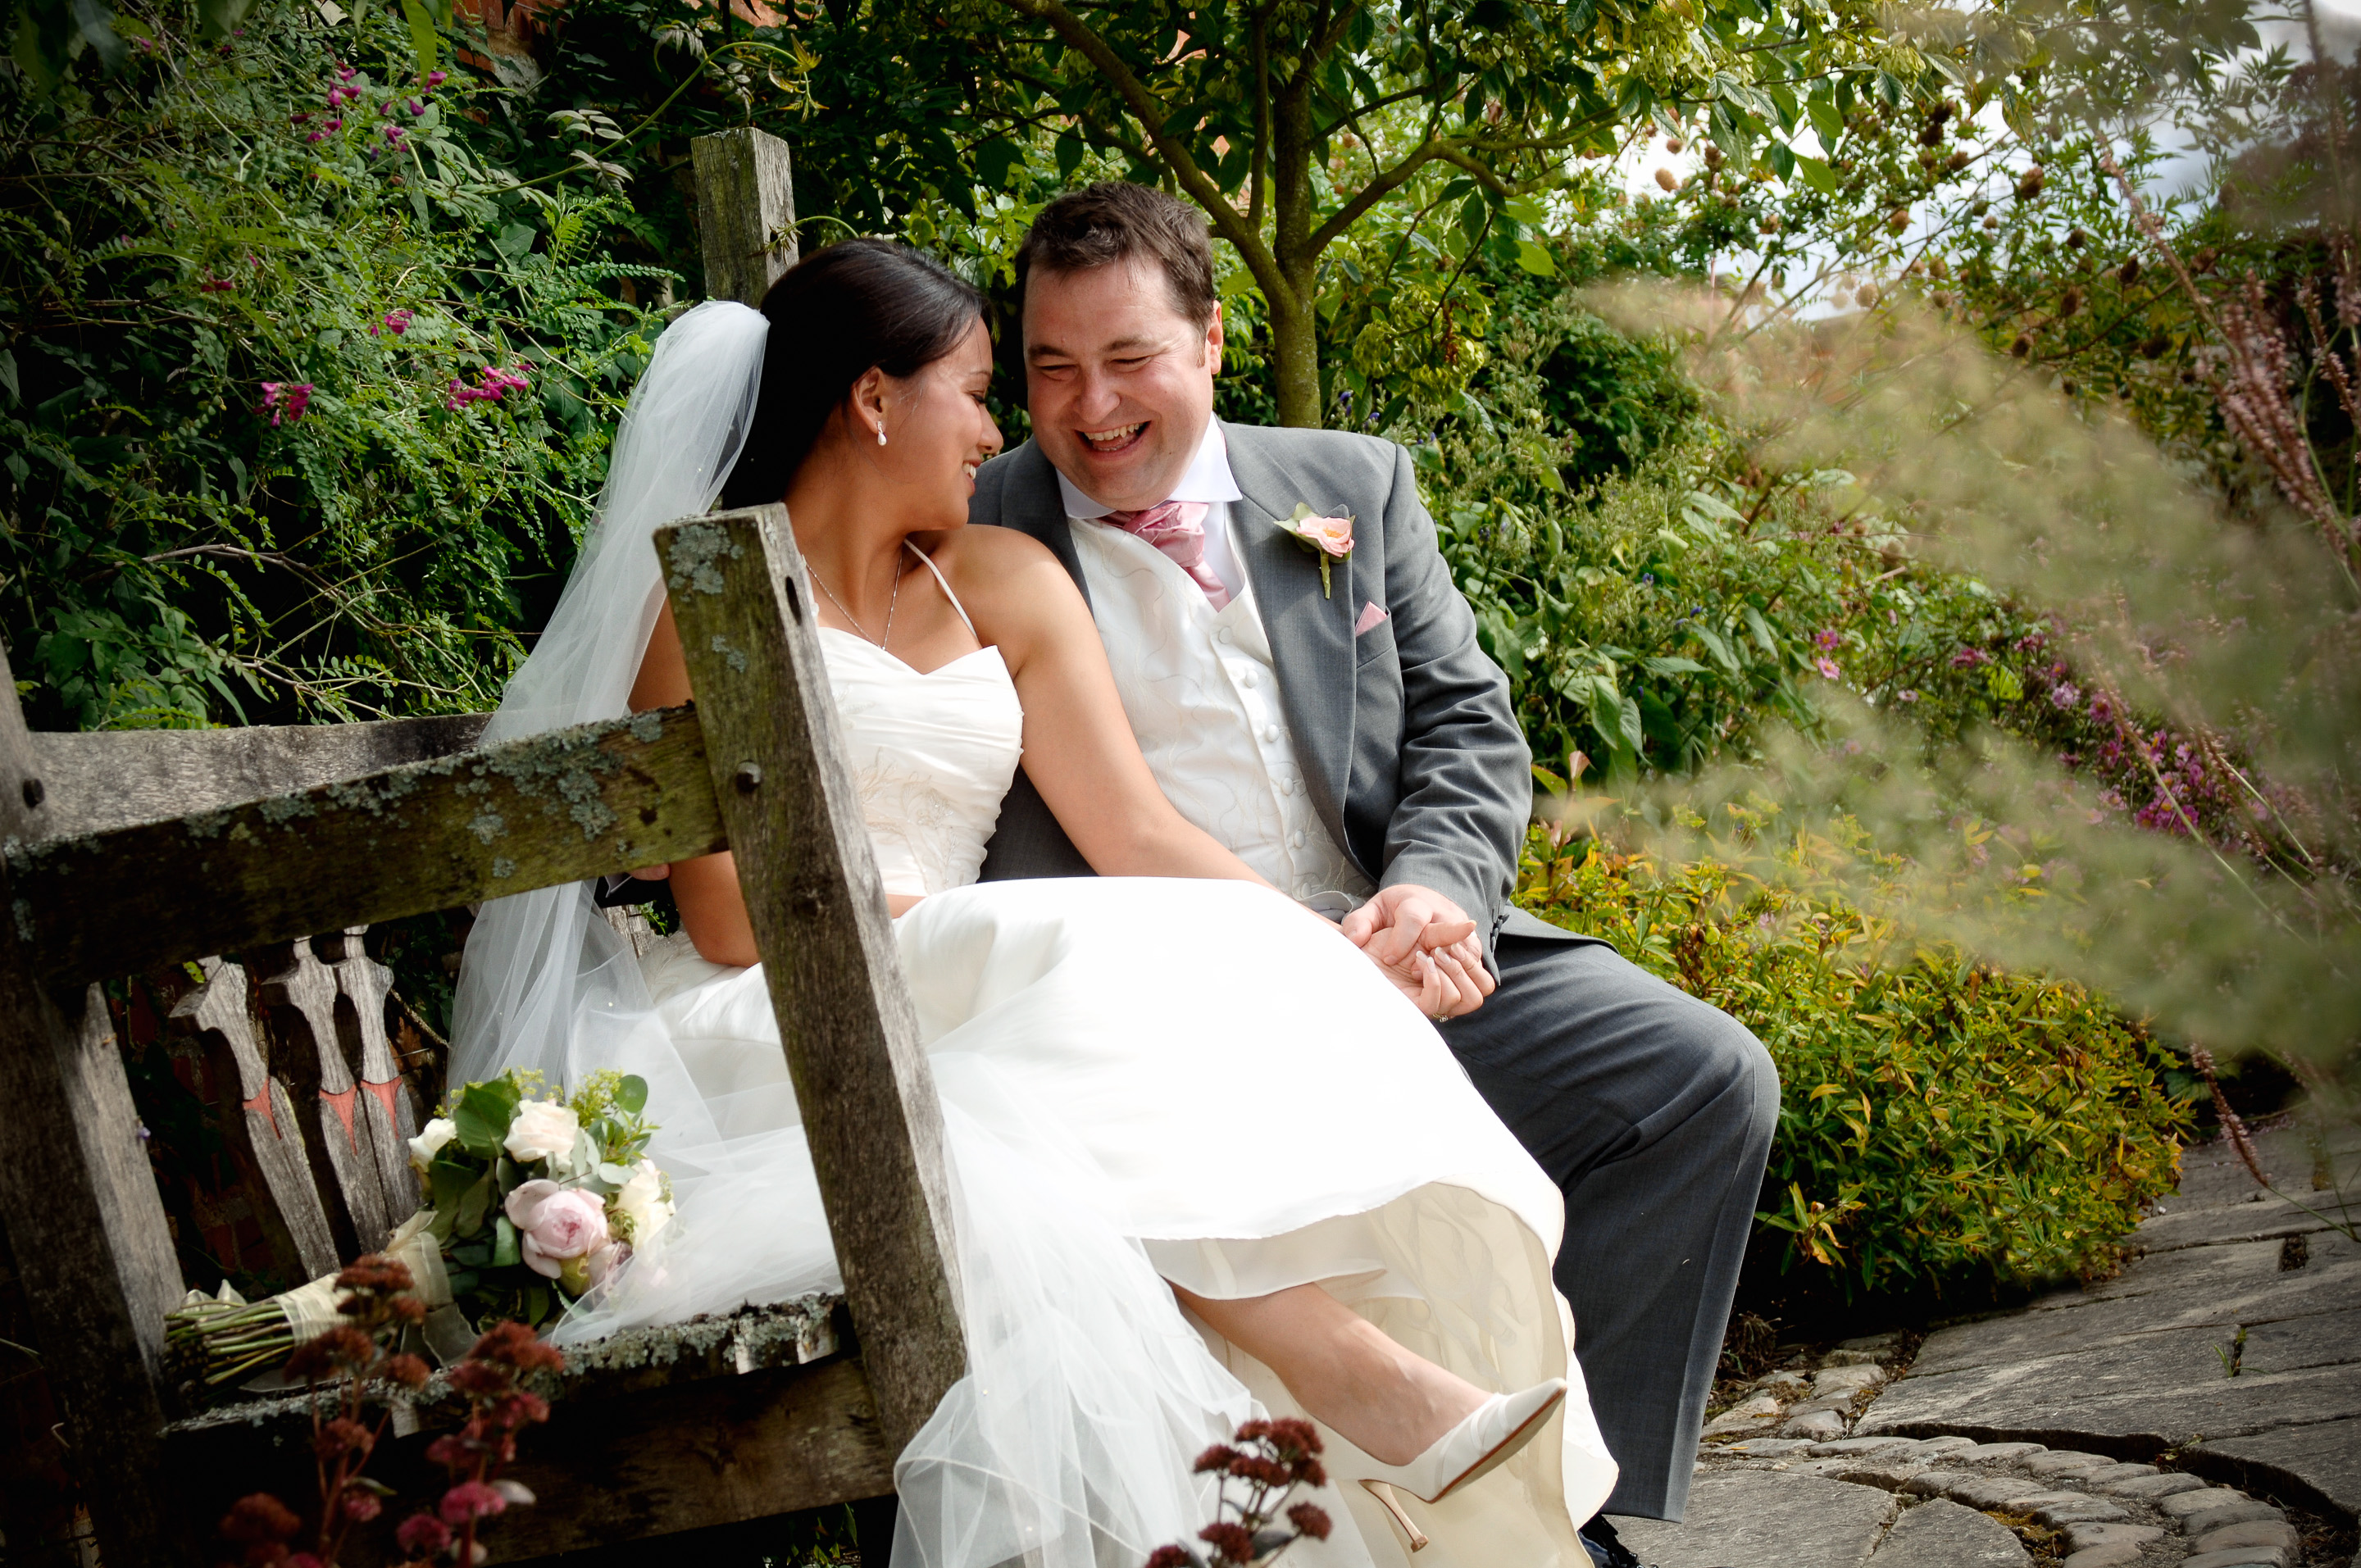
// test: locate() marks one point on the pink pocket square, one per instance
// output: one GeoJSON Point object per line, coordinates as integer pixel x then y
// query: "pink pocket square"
{"type": "Point", "coordinates": [1371, 615]}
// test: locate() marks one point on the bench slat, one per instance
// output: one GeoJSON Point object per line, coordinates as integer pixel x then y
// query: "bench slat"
{"type": "Point", "coordinates": [850, 1029]}
{"type": "Point", "coordinates": [86, 1227]}
{"type": "Point", "coordinates": [403, 840]}
{"type": "Point", "coordinates": [104, 779]}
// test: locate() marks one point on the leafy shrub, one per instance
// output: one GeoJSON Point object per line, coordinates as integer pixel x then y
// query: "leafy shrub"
{"type": "Point", "coordinates": [1941, 1124]}
{"type": "Point", "coordinates": [302, 403]}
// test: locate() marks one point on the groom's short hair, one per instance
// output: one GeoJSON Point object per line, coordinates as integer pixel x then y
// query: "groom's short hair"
{"type": "Point", "coordinates": [1102, 225]}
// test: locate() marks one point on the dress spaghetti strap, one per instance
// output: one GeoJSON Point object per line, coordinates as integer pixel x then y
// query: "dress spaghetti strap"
{"type": "Point", "coordinates": [945, 582]}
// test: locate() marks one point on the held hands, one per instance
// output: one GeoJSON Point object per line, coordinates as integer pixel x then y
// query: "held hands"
{"type": "Point", "coordinates": [1426, 945]}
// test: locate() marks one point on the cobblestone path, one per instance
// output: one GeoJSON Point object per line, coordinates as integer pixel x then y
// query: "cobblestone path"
{"type": "Point", "coordinates": [2201, 1409]}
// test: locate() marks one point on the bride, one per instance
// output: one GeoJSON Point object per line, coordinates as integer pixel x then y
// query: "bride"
{"type": "Point", "coordinates": [1207, 1157]}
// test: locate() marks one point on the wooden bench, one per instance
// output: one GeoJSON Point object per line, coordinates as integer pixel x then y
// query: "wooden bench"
{"type": "Point", "coordinates": [125, 851]}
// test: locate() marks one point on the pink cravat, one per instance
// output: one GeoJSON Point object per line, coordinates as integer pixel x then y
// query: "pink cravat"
{"type": "Point", "coordinates": [1177, 528]}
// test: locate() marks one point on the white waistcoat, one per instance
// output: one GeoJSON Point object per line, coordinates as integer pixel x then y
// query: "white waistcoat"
{"type": "Point", "coordinates": [1198, 688]}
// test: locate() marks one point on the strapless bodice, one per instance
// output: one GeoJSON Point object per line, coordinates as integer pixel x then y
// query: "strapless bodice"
{"type": "Point", "coordinates": [932, 754]}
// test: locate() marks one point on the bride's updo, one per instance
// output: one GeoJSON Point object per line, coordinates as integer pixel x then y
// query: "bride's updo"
{"type": "Point", "coordinates": [835, 314]}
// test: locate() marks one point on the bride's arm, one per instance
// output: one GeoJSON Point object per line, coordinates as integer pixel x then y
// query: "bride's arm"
{"type": "Point", "coordinates": [712, 907]}
{"type": "Point", "coordinates": [1079, 748]}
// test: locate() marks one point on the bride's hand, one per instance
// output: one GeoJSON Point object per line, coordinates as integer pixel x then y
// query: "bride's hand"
{"type": "Point", "coordinates": [1404, 922]}
{"type": "Point", "coordinates": [1439, 983]}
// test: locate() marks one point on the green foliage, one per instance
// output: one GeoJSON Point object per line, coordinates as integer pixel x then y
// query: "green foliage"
{"type": "Point", "coordinates": [1941, 1124]}
{"type": "Point", "coordinates": [303, 404]}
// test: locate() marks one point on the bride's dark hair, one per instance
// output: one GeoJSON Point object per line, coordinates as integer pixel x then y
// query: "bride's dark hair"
{"type": "Point", "coordinates": [835, 314]}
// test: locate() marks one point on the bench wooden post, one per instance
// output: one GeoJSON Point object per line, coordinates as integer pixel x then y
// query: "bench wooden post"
{"type": "Point", "coordinates": [835, 976]}
{"type": "Point", "coordinates": [745, 212]}
{"type": "Point", "coordinates": [85, 1220]}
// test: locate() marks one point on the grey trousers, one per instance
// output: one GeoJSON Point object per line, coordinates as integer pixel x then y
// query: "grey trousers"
{"type": "Point", "coordinates": [1652, 1112]}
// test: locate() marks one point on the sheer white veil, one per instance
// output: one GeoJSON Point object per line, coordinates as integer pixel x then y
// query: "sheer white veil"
{"type": "Point", "coordinates": [547, 983]}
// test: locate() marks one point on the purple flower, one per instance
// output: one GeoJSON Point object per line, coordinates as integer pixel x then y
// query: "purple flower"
{"type": "Point", "coordinates": [416, 107]}
{"type": "Point", "coordinates": [436, 78]}
{"type": "Point", "coordinates": [1827, 639]}
{"type": "Point", "coordinates": [285, 402]}
{"type": "Point", "coordinates": [2064, 695]}
{"type": "Point", "coordinates": [1969, 658]}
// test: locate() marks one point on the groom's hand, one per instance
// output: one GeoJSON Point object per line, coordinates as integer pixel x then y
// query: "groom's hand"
{"type": "Point", "coordinates": [1427, 946]}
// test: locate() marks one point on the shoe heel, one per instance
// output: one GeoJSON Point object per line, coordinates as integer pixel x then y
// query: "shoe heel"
{"type": "Point", "coordinates": [1386, 1500]}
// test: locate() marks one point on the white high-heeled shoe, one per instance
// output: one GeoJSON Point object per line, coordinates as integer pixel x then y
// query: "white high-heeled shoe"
{"type": "Point", "coordinates": [1492, 1434]}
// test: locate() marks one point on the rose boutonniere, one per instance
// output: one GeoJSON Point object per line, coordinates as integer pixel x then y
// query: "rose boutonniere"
{"type": "Point", "coordinates": [1329, 538]}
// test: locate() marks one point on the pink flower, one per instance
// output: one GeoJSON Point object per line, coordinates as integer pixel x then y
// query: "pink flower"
{"type": "Point", "coordinates": [1828, 666]}
{"type": "Point", "coordinates": [558, 1222]}
{"type": "Point", "coordinates": [605, 1259]}
{"type": "Point", "coordinates": [1826, 639]}
{"type": "Point", "coordinates": [285, 402]}
{"type": "Point", "coordinates": [422, 1535]}
{"type": "Point", "coordinates": [470, 1500]}
{"type": "Point", "coordinates": [1331, 535]}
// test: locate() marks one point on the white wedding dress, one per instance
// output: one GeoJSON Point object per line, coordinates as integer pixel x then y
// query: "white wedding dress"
{"type": "Point", "coordinates": [1143, 1079]}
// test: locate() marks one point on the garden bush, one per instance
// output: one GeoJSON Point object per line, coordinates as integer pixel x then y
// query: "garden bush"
{"type": "Point", "coordinates": [303, 404]}
{"type": "Point", "coordinates": [1943, 1125]}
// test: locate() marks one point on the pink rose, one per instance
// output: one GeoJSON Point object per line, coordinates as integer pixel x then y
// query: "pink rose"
{"type": "Point", "coordinates": [558, 1222]}
{"type": "Point", "coordinates": [1332, 535]}
{"type": "Point", "coordinates": [606, 1260]}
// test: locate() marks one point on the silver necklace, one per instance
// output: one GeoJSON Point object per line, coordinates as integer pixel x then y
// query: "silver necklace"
{"type": "Point", "coordinates": [891, 600]}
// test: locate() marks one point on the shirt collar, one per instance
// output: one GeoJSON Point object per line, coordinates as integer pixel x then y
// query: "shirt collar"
{"type": "Point", "coordinates": [1207, 478]}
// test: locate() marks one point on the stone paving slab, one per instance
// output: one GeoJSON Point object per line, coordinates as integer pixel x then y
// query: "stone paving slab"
{"type": "Point", "coordinates": [2063, 1399]}
{"type": "Point", "coordinates": [2294, 1343]}
{"type": "Point", "coordinates": [1940, 1534]}
{"type": "Point", "coordinates": [1766, 1519]}
{"type": "Point", "coordinates": [2270, 1219]}
{"type": "Point", "coordinates": [2137, 1367]}
{"type": "Point", "coordinates": [2327, 1455]}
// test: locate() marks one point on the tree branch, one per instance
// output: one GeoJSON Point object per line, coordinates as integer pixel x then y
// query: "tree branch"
{"type": "Point", "coordinates": [1149, 110]}
{"type": "Point", "coordinates": [1377, 191]}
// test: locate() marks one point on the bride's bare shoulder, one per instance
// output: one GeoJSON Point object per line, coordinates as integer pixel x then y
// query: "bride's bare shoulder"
{"type": "Point", "coordinates": [1015, 589]}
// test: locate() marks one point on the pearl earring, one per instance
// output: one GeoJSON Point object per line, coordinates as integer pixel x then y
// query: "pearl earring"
{"type": "Point", "coordinates": [881, 433]}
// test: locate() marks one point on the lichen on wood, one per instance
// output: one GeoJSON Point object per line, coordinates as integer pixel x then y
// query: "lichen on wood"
{"type": "Point", "coordinates": [550, 808]}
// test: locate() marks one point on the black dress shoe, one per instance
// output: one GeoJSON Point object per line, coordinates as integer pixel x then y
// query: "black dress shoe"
{"type": "Point", "coordinates": [1606, 1550]}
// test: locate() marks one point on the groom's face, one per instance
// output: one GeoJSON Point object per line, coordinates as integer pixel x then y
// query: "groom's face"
{"type": "Point", "coordinates": [1119, 380]}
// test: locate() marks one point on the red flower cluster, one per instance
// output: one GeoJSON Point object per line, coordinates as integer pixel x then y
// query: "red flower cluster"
{"type": "Point", "coordinates": [285, 402]}
{"type": "Point", "coordinates": [1270, 1459]}
{"type": "Point", "coordinates": [498, 1406]}
{"type": "Point", "coordinates": [496, 382]}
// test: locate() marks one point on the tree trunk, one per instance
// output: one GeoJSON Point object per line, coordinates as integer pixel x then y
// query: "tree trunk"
{"type": "Point", "coordinates": [1294, 307]}
{"type": "Point", "coordinates": [1295, 355]}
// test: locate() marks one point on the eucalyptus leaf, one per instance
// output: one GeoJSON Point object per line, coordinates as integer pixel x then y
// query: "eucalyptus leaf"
{"type": "Point", "coordinates": [632, 1094]}
{"type": "Point", "coordinates": [506, 1245]}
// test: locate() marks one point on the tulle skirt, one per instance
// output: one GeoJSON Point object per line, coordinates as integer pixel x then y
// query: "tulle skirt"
{"type": "Point", "coordinates": [1143, 1081]}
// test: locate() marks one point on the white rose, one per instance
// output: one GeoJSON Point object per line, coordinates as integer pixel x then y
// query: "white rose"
{"type": "Point", "coordinates": [643, 1203]}
{"type": "Point", "coordinates": [428, 1144]}
{"type": "Point", "coordinates": [543, 1130]}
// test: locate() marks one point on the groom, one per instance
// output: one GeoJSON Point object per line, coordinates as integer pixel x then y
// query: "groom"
{"type": "Point", "coordinates": [1346, 737]}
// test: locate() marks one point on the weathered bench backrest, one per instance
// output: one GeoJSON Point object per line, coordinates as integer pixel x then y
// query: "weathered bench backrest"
{"type": "Point", "coordinates": [755, 766]}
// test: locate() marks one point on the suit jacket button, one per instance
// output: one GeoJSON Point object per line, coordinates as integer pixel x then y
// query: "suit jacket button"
{"type": "Point", "coordinates": [1223, 635]}
{"type": "Point", "coordinates": [1270, 732]}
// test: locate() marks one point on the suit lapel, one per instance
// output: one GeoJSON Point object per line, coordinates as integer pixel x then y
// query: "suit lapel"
{"type": "Point", "coordinates": [1030, 503]}
{"type": "Point", "coordinates": [1311, 637]}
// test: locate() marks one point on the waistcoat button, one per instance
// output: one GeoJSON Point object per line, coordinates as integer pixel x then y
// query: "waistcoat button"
{"type": "Point", "coordinates": [1296, 838]}
{"type": "Point", "coordinates": [1270, 732]}
{"type": "Point", "coordinates": [1247, 680]}
{"type": "Point", "coordinates": [1223, 635]}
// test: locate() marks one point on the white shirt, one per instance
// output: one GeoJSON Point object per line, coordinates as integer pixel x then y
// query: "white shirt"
{"type": "Point", "coordinates": [1202, 692]}
{"type": "Point", "coordinates": [1208, 479]}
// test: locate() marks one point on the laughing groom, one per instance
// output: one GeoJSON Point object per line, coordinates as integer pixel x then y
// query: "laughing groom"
{"type": "Point", "coordinates": [1345, 736]}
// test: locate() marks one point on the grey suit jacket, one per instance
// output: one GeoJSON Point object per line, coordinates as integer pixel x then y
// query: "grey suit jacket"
{"type": "Point", "coordinates": [1411, 754]}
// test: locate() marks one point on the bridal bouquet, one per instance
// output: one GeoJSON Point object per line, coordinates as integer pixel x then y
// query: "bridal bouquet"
{"type": "Point", "coordinates": [531, 1200]}
{"type": "Point", "coordinates": [534, 1200]}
